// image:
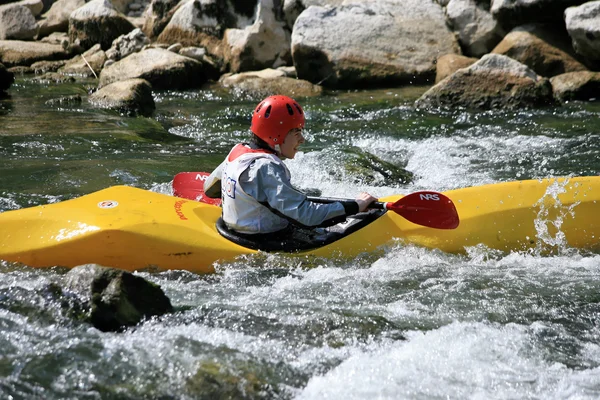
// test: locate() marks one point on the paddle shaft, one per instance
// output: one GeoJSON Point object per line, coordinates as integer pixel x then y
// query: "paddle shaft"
{"type": "Point", "coordinates": [375, 205]}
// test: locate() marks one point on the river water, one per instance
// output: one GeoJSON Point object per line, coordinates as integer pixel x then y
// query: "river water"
{"type": "Point", "coordinates": [400, 323]}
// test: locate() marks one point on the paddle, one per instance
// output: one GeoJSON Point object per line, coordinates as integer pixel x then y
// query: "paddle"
{"type": "Point", "coordinates": [431, 209]}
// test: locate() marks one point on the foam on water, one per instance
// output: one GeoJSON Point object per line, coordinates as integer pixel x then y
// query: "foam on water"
{"type": "Point", "coordinates": [459, 360]}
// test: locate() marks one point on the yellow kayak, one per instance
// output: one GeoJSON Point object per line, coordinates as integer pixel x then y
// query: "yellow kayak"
{"type": "Point", "coordinates": [130, 228]}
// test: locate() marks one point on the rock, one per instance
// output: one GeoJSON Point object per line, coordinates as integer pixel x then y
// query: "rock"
{"type": "Point", "coordinates": [264, 44]}
{"type": "Point", "coordinates": [260, 84]}
{"type": "Point", "coordinates": [162, 68]}
{"type": "Point", "coordinates": [583, 25]}
{"type": "Point", "coordinates": [56, 19]}
{"type": "Point", "coordinates": [197, 53]}
{"type": "Point", "coordinates": [391, 42]}
{"type": "Point", "coordinates": [478, 31]}
{"type": "Point", "coordinates": [495, 81]}
{"type": "Point", "coordinates": [117, 299]}
{"type": "Point", "coordinates": [201, 23]}
{"type": "Point", "coordinates": [130, 97]}
{"type": "Point", "coordinates": [545, 59]}
{"type": "Point", "coordinates": [60, 38]}
{"type": "Point", "coordinates": [583, 85]}
{"type": "Point", "coordinates": [16, 22]}
{"type": "Point", "coordinates": [97, 22]}
{"type": "Point", "coordinates": [157, 16]}
{"type": "Point", "coordinates": [512, 13]}
{"type": "Point", "coordinates": [53, 77]}
{"type": "Point", "coordinates": [125, 45]}
{"type": "Point", "coordinates": [293, 8]}
{"type": "Point", "coordinates": [88, 64]}
{"type": "Point", "coordinates": [35, 6]}
{"type": "Point", "coordinates": [20, 53]}
{"type": "Point", "coordinates": [448, 64]}
{"type": "Point", "coordinates": [7, 78]}
{"type": "Point", "coordinates": [42, 67]}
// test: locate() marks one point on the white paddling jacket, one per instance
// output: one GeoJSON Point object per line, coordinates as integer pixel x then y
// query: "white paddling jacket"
{"type": "Point", "coordinates": [259, 198]}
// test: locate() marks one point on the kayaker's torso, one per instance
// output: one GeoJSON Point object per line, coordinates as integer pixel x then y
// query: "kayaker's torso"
{"type": "Point", "coordinates": [259, 198]}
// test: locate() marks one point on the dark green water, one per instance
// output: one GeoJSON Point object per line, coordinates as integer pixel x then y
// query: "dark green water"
{"type": "Point", "coordinates": [401, 323]}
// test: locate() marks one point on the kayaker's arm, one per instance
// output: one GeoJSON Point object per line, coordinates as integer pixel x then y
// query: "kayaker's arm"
{"type": "Point", "coordinates": [212, 184]}
{"type": "Point", "coordinates": [268, 183]}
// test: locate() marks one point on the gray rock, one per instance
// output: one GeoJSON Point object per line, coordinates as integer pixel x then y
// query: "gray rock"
{"type": "Point", "coordinates": [116, 299]}
{"type": "Point", "coordinates": [583, 85]}
{"type": "Point", "coordinates": [56, 19]}
{"type": "Point", "coordinates": [21, 53]}
{"type": "Point", "coordinates": [35, 6]}
{"type": "Point", "coordinates": [131, 97]}
{"type": "Point", "coordinates": [583, 25]}
{"type": "Point", "coordinates": [16, 22]}
{"type": "Point", "coordinates": [162, 68]}
{"type": "Point", "coordinates": [478, 31]}
{"type": "Point", "coordinates": [97, 22]}
{"type": "Point", "coordinates": [128, 44]}
{"type": "Point", "coordinates": [495, 81]}
{"type": "Point", "coordinates": [293, 8]}
{"type": "Point", "coordinates": [545, 59]}
{"type": "Point", "coordinates": [42, 67]}
{"type": "Point", "coordinates": [202, 23]}
{"type": "Point", "coordinates": [260, 84]}
{"type": "Point", "coordinates": [264, 44]}
{"type": "Point", "coordinates": [391, 42]}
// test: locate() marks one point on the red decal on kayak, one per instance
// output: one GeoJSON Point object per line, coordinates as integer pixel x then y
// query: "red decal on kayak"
{"type": "Point", "coordinates": [178, 211]}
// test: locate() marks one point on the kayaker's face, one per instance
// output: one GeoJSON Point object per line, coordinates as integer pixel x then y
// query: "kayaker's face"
{"type": "Point", "coordinates": [292, 141]}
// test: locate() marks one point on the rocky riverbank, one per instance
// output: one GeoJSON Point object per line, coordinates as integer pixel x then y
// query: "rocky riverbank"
{"type": "Point", "coordinates": [476, 53]}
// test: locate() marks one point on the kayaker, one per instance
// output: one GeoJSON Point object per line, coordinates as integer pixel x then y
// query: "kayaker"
{"type": "Point", "coordinates": [254, 183]}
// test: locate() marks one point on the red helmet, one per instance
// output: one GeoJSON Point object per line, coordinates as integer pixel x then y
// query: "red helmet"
{"type": "Point", "coordinates": [274, 117]}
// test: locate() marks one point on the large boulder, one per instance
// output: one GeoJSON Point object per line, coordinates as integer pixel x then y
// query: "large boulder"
{"type": "Point", "coordinates": [6, 78]}
{"type": "Point", "coordinates": [115, 299]}
{"type": "Point", "coordinates": [542, 57]}
{"type": "Point", "coordinates": [130, 97]}
{"type": "Point", "coordinates": [293, 8]}
{"type": "Point", "coordinates": [264, 44]}
{"type": "Point", "coordinates": [390, 42]}
{"type": "Point", "coordinates": [17, 22]}
{"type": "Point", "coordinates": [20, 53]}
{"type": "Point", "coordinates": [56, 19]}
{"type": "Point", "coordinates": [584, 85]}
{"type": "Point", "coordinates": [495, 81]}
{"type": "Point", "coordinates": [478, 31]}
{"type": "Point", "coordinates": [512, 13]}
{"type": "Point", "coordinates": [97, 22]}
{"type": "Point", "coordinates": [583, 24]}
{"type": "Point", "coordinates": [260, 84]}
{"type": "Point", "coordinates": [203, 23]}
{"type": "Point", "coordinates": [162, 68]}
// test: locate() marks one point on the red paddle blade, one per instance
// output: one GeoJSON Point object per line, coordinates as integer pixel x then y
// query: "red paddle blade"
{"type": "Point", "coordinates": [190, 185]}
{"type": "Point", "coordinates": [431, 209]}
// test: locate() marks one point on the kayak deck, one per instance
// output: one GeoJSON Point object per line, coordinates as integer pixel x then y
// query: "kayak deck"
{"type": "Point", "coordinates": [131, 228]}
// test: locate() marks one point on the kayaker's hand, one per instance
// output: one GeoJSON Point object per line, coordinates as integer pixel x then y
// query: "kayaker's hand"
{"type": "Point", "coordinates": [363, 200]}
